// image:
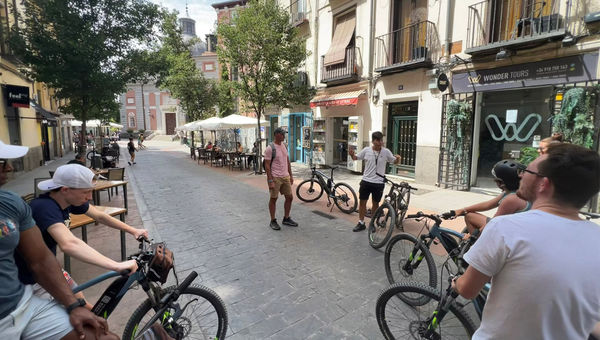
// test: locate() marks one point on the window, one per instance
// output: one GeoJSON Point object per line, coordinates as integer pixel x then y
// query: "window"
{"type": "Point", "coordinates": [209, 67]}
{"type": "Point", "coordinates": [131, 121]}
{"type": "Point", "coordinates": [343, 35]}
{"type": "Point", "coordinates": [130, 100]}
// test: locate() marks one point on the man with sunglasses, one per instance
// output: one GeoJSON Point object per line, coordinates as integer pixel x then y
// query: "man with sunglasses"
{"type": "Point", "coordinates": [23, 315]}
{"type": "Point", "coordinates": [543, 263]}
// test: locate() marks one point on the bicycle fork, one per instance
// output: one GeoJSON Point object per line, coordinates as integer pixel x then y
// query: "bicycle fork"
{"type": "Point", "coordinates": [440, 312]}
{"type": "Point", "coordinates": [410, 266]}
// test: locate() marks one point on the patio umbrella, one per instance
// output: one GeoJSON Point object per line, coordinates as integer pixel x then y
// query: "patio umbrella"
{"type": "Point", "coordinates": [212, 123]}
{"type": "Point", "coordinates": [240, 122]}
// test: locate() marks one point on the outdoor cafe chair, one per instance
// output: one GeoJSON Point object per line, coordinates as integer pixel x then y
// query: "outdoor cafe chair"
{"type": "Point", "coordinates": [37, 191]}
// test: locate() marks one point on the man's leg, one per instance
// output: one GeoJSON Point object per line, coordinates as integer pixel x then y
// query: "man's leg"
{"type": "Point", "coordinates": [363, 196]}
{"type": "Point", "coordinates": [362, 209]}
{"type": "Point", "coordinates": [287, 206]}
{"type": "Point", "coordinates": [272, 207]}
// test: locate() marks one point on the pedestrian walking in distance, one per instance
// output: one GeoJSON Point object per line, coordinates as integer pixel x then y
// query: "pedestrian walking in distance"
{"type": "Point", "coordinates": [376, 158]}
{"type": "Point", "coordinates": [131, 149]}
{"type": "Point", "coordinates": [279, 178]}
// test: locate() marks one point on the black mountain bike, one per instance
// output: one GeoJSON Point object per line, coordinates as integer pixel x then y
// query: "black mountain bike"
{"type": "Point", "coordinates": [342, 194]}
{"type": "Point", "coordinates": [438, 315]}
{"type": "Point", "coordinates": [185, 311]}
{"type": "Point", "coordinates": [389, 214]}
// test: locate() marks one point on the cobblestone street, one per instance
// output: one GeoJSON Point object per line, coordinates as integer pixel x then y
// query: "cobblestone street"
{"type": "Point", "coordinates": [316, 281]}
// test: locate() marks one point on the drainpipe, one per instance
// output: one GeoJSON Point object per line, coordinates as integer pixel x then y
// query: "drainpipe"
{"type": "Point", "coordinates": [447, 40]}
{"type": "Point", "coordinates": [371, 40]}
{"type": "Point", "coordinates": [316, 43]}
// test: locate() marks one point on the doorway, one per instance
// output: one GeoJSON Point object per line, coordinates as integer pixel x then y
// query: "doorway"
{"type": "Point", "coordinates": [170, 123]}
{"type": "Point", "coordinates": [45, 142]}
{"type": "Point", "coordinates": [14, 133]}
{"type": "Point", "coordinates": [402, 136]}
{"type": "Point", "coordinates": [340, 141]}
{"type": "Point", "coordinates": [295, 137]}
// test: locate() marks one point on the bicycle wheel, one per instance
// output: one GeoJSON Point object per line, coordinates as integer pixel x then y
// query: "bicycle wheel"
{"type": "Point", "coordinates": [402, 202]}
{"type": "Point", "coordinates": [92, 154]}
{"type": "Point", "coordinates": [345, 198]}
{"type": "Point", "coordinates": [382, 225]}
{"type": "Point", "coordinates": [204, 317]}
{"type": "Point", "coordinates": [309, 190]}
{"type": "Point", "coordinates": [398, 321]}
{"type": "Point", "coordinates": [400, 265]}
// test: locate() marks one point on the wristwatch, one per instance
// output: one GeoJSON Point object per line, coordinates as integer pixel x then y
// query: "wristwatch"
{"type": "Point", "coordinates": [77, 304]}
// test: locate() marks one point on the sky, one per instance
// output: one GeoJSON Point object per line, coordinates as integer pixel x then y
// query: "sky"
{"type": "Point", "coordinates": [199, 10]}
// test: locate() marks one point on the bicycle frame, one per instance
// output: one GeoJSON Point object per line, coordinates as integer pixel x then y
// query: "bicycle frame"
{"type": "Point", "coordinates": [325, 181]}
{"type": "Point", "coordinates": [113, 294]}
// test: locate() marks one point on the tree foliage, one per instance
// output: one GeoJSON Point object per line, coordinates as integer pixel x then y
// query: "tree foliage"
{"type": "Point", "coordinates": [82, 48]}
{"type": "Point", "coordinates": [261, 43]}
{"type": "Point", "coordinates": [196, 94]}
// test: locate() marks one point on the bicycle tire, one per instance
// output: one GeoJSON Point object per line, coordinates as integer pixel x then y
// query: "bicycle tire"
{"type": "Point", "coordinates": [92, 154]}
{"type": "Point", "coordinates": [387, 298]}
{"type": "Point", "coordinates": [379, 230]}
{"type": "Point", "coordinates": [308, 190]}
{"type": "Point", "coordinates": [348, 198]}
{"type": "Point", "coordinates": [402, 202]}
{"type": "Point", "coordinates": [195, 291]}
{"type": "Point", "coordinates": [395, 263]}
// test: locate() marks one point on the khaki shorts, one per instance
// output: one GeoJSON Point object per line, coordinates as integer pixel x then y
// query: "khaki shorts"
{"type": "Point", "coordinates": [282, 185]}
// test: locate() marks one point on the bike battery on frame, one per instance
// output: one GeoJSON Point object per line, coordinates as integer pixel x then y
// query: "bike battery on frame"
{"type": "Point", "coordinates": [110, 299]}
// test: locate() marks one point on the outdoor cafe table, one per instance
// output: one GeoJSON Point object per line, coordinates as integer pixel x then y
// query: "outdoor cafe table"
{"type": "Point", "coordinates": [81, 221]}
{"type": "Point", "coordinates": [102, 185]}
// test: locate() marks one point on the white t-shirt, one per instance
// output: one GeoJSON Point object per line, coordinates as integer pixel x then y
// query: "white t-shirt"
{"type": "Point", "coordinates": [545, 274]}
{"type": "Point", "coordinates": [375, 163]}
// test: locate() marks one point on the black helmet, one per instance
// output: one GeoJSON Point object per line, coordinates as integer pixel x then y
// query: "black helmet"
{"type": "Point", "coordinates": [507, 171]}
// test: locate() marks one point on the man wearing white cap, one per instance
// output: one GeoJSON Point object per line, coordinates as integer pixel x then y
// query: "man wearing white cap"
{"type": "Point", "coordinates": [23, 315]}
{"type": "Point", "coordinates": [70, 191]}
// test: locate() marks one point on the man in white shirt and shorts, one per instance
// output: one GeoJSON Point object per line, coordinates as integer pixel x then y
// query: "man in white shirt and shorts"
{"type": "Point", "coordinates": [376, 158]}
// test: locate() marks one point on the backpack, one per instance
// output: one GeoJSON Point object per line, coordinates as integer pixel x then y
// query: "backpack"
{"type": "Point", "coordinates": [274, 152]}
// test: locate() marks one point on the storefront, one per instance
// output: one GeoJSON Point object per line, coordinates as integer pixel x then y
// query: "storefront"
{"type": "Point", "coordinates": [511, 108]}
{"type": "Point", "coordinates": [338, 126]}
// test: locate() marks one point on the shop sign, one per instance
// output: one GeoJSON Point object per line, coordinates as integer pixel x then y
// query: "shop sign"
{"type": "Point", "coordinates": [335, 102]}
{"type": "Point", "coordinates": [17, 96]}
{"type": "Point", "coordinates": [546, 72]}
{"type": "Point", "coordinates": [306, 136]}
{"type": "Point", "coordinates": [442, 82]}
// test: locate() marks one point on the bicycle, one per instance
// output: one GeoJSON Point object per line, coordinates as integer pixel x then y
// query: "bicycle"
{"type": "Point", "coordinates": [395, 323]}
{"type": "Point", "coordinates": [404, 253]}
{"type": "Point", "coordinates": [167, 306]}
{"type": "Point", "coordinates": [392, 210]}
{"type": "Point", "coordinates": [342, 194]}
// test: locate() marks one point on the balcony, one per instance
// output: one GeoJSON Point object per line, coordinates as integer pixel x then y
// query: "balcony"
{"type": "Point", "coordinates": [298, 13]}
{"type": "Point", "coordinates": [493, 25]}
{"type": "Point", "coordinates": [342, 73]}
{"type": "Point", "coordinates": [407, 48]}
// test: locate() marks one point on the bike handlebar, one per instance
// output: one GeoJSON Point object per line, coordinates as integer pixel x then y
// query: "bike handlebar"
{"type": "Point", "coordinates": [399, 185]}
{"type": "Point", "coordinates": [420, 214]}
{"type": "Point", "coordinates": [590, 215]}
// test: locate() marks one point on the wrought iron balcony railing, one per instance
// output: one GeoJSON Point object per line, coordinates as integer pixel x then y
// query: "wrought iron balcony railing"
{"type": "Point", "coordinates": [344, 72]}
{"type": "Point", "coordinates": [495, 24]}
{"type": "Point", "coordinates": [298, 12]}
{"type": "Point", "coordinates": [406, 48]}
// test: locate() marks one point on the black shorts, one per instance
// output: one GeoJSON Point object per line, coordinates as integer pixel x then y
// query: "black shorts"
{"type": "Point", "coordinates": [368, 188]}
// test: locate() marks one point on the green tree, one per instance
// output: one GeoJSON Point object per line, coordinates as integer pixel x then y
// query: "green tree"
{"type": "Point", "coordinates": [224, 95]}
{"type": "Point", "coordinates": [182, 78]}
{"type": "Point", "coordinates": [268, 52]}
{"type": "Point", "coordinates": [82, 48]}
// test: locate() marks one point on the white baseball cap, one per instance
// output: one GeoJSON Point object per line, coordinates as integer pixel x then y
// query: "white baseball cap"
{"type": "Point", "coordinates": [71, 176]}
{"type": "Point", "coordinates": [12, 151]}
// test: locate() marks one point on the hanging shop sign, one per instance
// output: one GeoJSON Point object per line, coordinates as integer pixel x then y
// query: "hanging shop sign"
{"type": "Point", "coordinates": [17, 96]}
{"type": "Point", "coordinates": [442, 82]}
{"type": "Point", "coordinates": [306, 137]}
{"type": "Point", "coordinates": [546, 72]}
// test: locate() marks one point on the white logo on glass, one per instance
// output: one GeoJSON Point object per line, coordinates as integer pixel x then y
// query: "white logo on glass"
{"type": "Point", "coordinates": [511, 128]}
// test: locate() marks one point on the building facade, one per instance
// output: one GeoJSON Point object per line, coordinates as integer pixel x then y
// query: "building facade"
{"type": "Point", "coordinates": [29, 113]}
{"type": "Point", "coordinates": [408, 67]}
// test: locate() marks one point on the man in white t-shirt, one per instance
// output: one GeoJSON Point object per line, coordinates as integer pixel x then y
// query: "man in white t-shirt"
{"type": "Point", "coordinates": [376, 159]}
{"type": "Point", "coordinates": [544, 263]}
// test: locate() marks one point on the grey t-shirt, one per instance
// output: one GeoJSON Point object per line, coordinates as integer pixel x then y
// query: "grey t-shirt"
{"type": "Point", "coordinates": [375, 163]}
{"type": "Point", "coordinates": [15, 217]}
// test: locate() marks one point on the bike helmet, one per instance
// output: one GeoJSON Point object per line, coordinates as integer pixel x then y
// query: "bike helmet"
{"type": "Point", "coordinates": [506, 171]}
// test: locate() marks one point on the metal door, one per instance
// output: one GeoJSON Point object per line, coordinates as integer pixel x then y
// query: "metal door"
{"type": "Point", "coordinates": [454, 169]}
{"type": "Point", "coordinates": [404, 143]}
{"type": "Point", "coordinates": [170, 123]}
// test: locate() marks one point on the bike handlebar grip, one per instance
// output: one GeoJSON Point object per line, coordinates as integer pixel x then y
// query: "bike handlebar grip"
{"type": "Point", "coordinates": [125, 272]}
{"type": "Point", "coordinates": [188, 280]}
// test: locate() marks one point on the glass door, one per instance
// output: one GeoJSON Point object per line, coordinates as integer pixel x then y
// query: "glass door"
{"type": "Point", "coordinates": [402, 137]}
